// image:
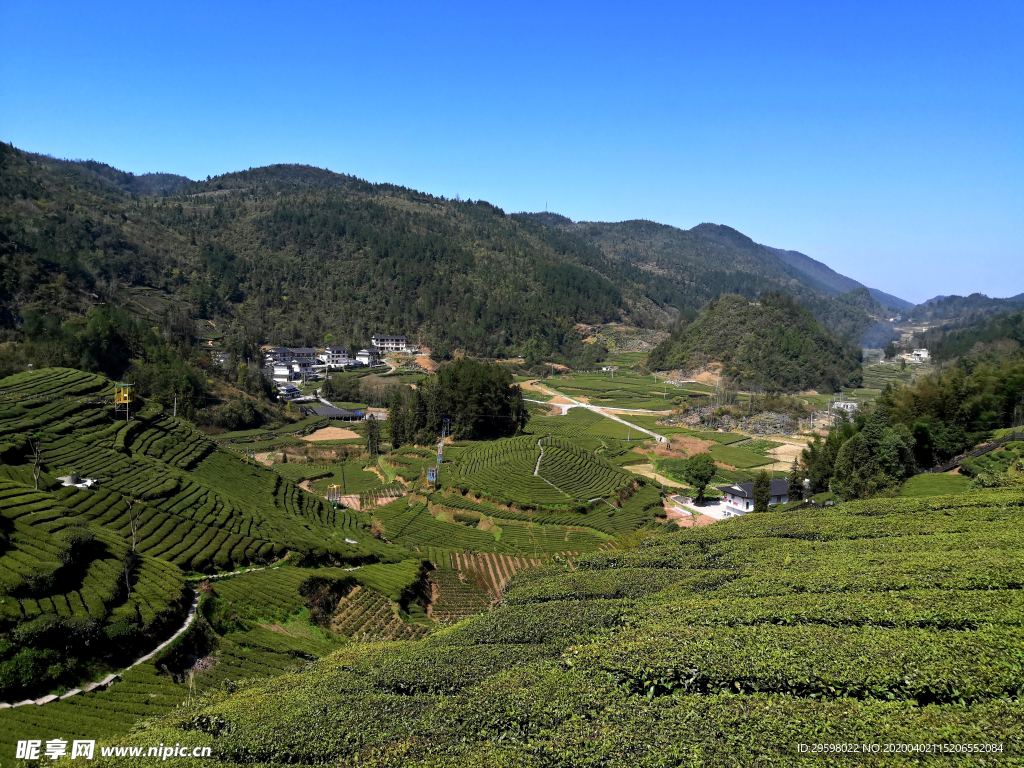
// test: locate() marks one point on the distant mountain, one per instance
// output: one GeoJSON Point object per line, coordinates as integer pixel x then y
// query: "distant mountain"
{"type": "Point", "coordinates": [888, 301]}
{"type": "Point", "coordinates": [288, 254]}
{"type": "Point", "coordinates": [712, 259]}
{"type": "Point", "coordinates": [997, 336]}
{"type": "Point", "coordinates": [143, 184]}
{"type": "Point", "coordinates": [835, 282]}
{"type": "Point", "coordinates": [963, 310]}
{"type": "Point", "coordinates": [775, 344]}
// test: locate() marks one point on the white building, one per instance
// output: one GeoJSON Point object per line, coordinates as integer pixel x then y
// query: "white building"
{"type": "Point", "coordinates": [304, 355]}
{"type": "Point", "coordinates": [386, 344]}
{"type": "Point", "coordinates": [848, 406]}
{"type": "Point", "coordinates": [368, 357]}
{"type": "Point", "coordinates": [336, 356]}
{"type": "Point", "coordinates": [921, 355]}
{"type": "Point", "coordinates": [283, 373]}
{"type": "Point", "coordinates": [741, 495]}
{"type": "Point", "coordinates": [278, 355]}
{"type": "Point", "coordinates": [288, 392]}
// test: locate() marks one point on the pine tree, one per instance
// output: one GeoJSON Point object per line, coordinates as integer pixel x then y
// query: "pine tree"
{"type": "Point", "coordinates": [762, 492]}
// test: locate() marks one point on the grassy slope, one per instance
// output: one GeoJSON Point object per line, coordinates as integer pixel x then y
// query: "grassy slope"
{"type": "Point", "coordinates": [921, 486]}
{"type": "Point", "coordinates": [727, 645]}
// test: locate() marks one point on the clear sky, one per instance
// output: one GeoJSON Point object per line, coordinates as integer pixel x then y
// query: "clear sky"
{"type": "Point", "coordinates": [885, 139]}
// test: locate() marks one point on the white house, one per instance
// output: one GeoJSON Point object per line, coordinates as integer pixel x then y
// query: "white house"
{"type": "Point", "coordinates": [336, 356]}
{"type": "Point", "coordinates": [288, 392]}
{"type": "Point", "coordinates": [849, 406]}
{"type": "Point", "coordinates": [283, 373]}
{"type": "Point", "coordinates": [741, 495]}
{"type": "Point", "coordinates": [384, 343]}
{"type": "Point", "coordinates": [278, 355]}
{"type": "Point", "coordinates": [368, 357]}
{"type": "Point", "coordinates": [921, 355]}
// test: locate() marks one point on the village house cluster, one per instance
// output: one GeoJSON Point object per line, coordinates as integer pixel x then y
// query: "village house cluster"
{"type": "Point", "coordinates": [287, 364]}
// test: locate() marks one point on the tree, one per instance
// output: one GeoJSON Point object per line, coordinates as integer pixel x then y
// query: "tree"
{"type": "Point", "coordinates": [372, 436]}
{"type": "Point", "coordinates": [891, 350]}
{"type": "Point", "coordinates": [698, 472]}
{"type": "Point", "coordinates": [398, 419]}
{"type": "Point", "coordinates": [762, 492]}
{"type": "Point", "coordinates": [797, 475]}
{"type": "Point", "coordinates": [37, 449]}
{"type": "Point", "coordinates": [133, 517]}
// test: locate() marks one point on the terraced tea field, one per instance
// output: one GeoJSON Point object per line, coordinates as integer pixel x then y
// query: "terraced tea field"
{"type": "Point", "coordinates": [169, 506]}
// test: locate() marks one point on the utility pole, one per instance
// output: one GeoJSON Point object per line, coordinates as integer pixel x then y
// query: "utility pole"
{"type": "Point", "coordinates": [175, 405]}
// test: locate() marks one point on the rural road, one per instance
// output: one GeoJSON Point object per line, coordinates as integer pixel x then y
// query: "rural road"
{"type": "Point", "coordinates": [606, 412]}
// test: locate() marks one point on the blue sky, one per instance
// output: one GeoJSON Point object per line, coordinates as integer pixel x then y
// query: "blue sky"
{"type": "Point", "coordinates": [885, 139]}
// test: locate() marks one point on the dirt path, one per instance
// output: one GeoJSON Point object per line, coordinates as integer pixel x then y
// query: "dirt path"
{"type": "Point", "coordinates": [647, 470]}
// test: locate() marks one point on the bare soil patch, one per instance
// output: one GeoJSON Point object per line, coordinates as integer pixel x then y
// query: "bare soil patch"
{"type": "Point", "coordinates": [331, 433]}
{"type": "Point", "coordinates": [426, 363]}
{"type": "Point", "coordinates": [559, 400]}
{"type": "Point", "coordinates": [785, 455]}
{"type": "Point", "coordinates": [679, 447]}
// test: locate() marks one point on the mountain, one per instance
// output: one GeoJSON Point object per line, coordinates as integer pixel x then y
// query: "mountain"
{"type": "Point", "coordinates": [775, 344]}
{"type": "Point", "coordinates": [963, 310]}
{"type": "Point", "coordinates": [835, 282]}
{"type": "Point", "coordinates": [711, 259]}
{"type": "Point", "coordinates": [998, 335]}
{"type": "Point", "coordinates": [288, 254]}
{"type": "Point", "coordinates": [143, 184]}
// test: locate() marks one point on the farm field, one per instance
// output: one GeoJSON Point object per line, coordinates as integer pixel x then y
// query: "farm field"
{"type": "Point", "coordinates": [351, 475]}
{"type": "Point", "coordinates": [623, 389]}
{"type": "Point", "coordinates": [774, 623]}
{"type": "Point", "coordinates": [192, 509]}
{"type": "Point", "coordinates": [739, 457]}
{"type": "Point", "coordinates": [997, 461]}
{"type": "Point", "coordinates": [920, 486]}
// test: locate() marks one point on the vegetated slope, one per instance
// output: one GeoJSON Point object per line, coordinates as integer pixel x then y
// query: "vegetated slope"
{"type": "Point", "coordinates": [835, 282]}
{"type": "Point", "coordinates": [712, 259]}
{"type": "Point", "coordinates": [142, 184]}
{"type": "Point", "coordinates": [290, 253]}
{"type": "Point", "coordinates": [726, 645]}
{"type": "Point", "coordinates": [965, 309]}
{"type": "Point", "coordinates": [92, 575]}
{"type": "Point", "coordinates": [775, 344]}
{"type": "Point", "coordinates": [999, 335]}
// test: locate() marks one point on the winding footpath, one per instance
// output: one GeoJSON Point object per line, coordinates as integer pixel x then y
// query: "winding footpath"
{"type": "Point", "coordinates": [115, 676]}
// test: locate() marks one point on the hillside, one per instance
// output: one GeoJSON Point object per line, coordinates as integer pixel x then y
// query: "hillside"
{"type": "Point", "coordinates": [998, 335]}
{"type": "Point", "coordinates": [288, 254]}
{"type": "Point", "coordinates": [174, 528]}
{"type": "Point", "coordinates": [774, 344]}
{"type": "Point", "coordinates": [726, 645]}
{"type": "Point", "coordinates": [835, 282]}
{"type": "Point", "coordinates": [712, 259]}
{"type": "Point", "coordinates": [964, 310]}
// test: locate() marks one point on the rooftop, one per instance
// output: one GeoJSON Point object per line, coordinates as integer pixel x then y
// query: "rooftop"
{"type": "Point", "coordinates": [746, 490]}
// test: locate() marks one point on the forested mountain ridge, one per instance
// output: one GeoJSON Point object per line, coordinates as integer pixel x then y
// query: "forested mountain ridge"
{"type": "Point", "coordinates": [712, 259]}
{"type": "Point", "coordinates": [963, 310]}
{"type": "Point", "coordinates": [999, 336]}
{"type": "Point", "coordinates": [288, 254]}
{"type": "Point", "coordinates": [774, 344]}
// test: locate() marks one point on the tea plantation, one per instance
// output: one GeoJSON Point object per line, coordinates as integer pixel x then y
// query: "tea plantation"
{"type": "Point", "coordinates": [892, 621]}
{"type": "Point", "coordinates": [92, 578]}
